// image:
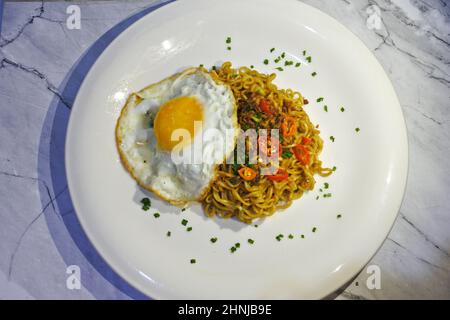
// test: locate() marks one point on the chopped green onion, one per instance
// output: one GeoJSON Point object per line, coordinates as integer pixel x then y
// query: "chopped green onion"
{"type": "Point", "coordinates": [266, 61]}
{"type": "Point", "coordinates": [251, 241]}
{"type": "Point", "coordinates": [314, 74]}
{"type": "Point", "coordinates": [357, 129]}
{"type": "Point", "coordinates": [213, 240]}
{"type": "Point", "coordinates": [309, 59]}
{"type": "Point", "coordinates": [334, 168]}
{"type": "Point", "coordinates": [237, 244]}
{"type": "Point", "coordinates": [297, 64]}
{"type": "Point", "coordinates": [342, 109]}
{"type": "Point", "coordinates": [232, 249]}
{"type": "Point", "coordinates": [228, 48]}
{"type": "Point", "coordinates": [325, 107]}
{"type": "Point", "coordinates": [279, 68]}
{"type": "Point", "coordinates": [256, 226]}
{"type": "Point", "coordinates": [332, 138]}
{"type": "Point", "coordinates": [277, 60]}
{"type": "Point", "coordinates": [169, 233]}
{"type": "Point", "coordinates": [252, 66]}
{"type": "Point", "coordinates": [290, 236]}
{"type": "Point", "coordinates": [228, 40]}
{"type": "Point", "coordinates": [339, 216]}
{"type": "Point", "coordinates": [326, 185]}
{"type": "Point", "coordinates": [327, 195]}
{"type": "Point", "coordinates": [302, 236]}
{"type": "Point", "coordinates": [283, 55]}
{"type": "Point", "coordinates": [193, 261]}
{"type": "Point", "coordinates": [319, 99]}
{"type": "Point", "coordinates": [184, 222]}
{"type": "Point", "coordinates": [304, 52]}
{"type": "Point", "coordinates": [272, 50]}
{"type": "Point", "coordinates": [201, 65]}
{"type": "Point", "coordinates": [188, 229]}
{"type": "Point", "coordinates": [156, 215]}
{"type": "Point", "coordinates": [314, 229]}
{"type": "Point", "coordinates": [317, 198]}
{"type": "Point", "coordinates": [183, 209]}
{"type": "Point", "coordinates": [146, 204]}
{"type": "Point", "coordinates": [286, 154]}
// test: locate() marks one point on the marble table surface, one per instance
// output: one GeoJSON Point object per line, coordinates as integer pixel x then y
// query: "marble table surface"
{"type": "Point", "coordinates": [42, 64]}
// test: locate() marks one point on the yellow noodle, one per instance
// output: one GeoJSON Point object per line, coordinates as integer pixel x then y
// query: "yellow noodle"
{"type": "Point", "coordinates": [230, 195]}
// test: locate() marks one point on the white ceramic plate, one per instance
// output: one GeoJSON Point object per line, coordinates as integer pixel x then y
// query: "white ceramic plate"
{"type": "Point", "coordinates": [366, 188]}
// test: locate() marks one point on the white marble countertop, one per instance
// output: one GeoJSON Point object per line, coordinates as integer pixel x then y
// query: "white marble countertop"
{"type": "Point", "coordinates": [39, 235]}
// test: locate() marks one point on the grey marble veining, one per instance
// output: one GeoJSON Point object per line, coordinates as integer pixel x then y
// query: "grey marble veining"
{"type": "Point", "coordinates": [410, 38]}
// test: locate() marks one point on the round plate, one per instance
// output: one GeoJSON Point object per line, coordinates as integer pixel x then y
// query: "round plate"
{"type": "Point", "coordinates": [366, 188]}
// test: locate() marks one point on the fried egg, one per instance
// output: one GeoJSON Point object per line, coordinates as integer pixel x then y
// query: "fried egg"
{"type": "Point", "coordinates": [173, 134]}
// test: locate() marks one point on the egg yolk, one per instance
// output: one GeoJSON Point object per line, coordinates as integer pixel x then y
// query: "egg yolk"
{"type": "Point", "coordinates": [178, 113]}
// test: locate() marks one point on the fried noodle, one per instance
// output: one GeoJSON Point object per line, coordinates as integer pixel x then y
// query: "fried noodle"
{"type": "Point", "coordinates": [233, 196]}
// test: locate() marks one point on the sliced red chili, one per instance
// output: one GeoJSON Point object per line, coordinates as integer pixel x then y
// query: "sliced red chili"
{"type": "Point", "coordinates": [264, 105]}
{"type": "Point", "coordinates": [280, 175]}
{"type": "Point", "coordinates": [306, 141]}
{"type": "Point", "coordinates": [302, 154]}
{"type": "Point", "coordinates": [247, 173]}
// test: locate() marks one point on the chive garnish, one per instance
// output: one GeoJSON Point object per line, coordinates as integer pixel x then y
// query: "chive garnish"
{"type": "Point", "coordinates": [288, 63]}
{"type": "Point", "coordinates": [314, 74]}
{"type": "Point", "coordinates": [283, 55]}
{"type": "Point", "coordinates": [304, 52]}
{"type": "Point", "coordinates": [188, 229]}
{"type": "Point", "coordinates": [342, 109]}
{"type": "Point", "coordinates": [272, 50]}
{"type": "Point", "coordinates": [327, 195]}
{"type": "Point", "coordinates": [146, 203]}
{"type": "Point", "coordinates": [168, 233]}
{"type": "Point", "coordinates": [309, 59]}
{"type": "Point", "coordinates": [317, 198]}
{"type": "Point", "coordinates": [193, 261]}
{"type": "Point", "coordinates": [156, 215]}
{"type": "Point", "coordinates": [237, 244]}
{"type": "Point", "coordinates": [326, 185]}
{"type": "Point", "coordinates": [332, 138]}
{"type": "Point", "coordinates": [357, 129]}
{"type": "Point", "coordinates": [183, 209]}
{"type": "Point", "coordinates": [297, 64]}
{"type": "Point", "coordinates": [325, 107]}
{"type": "Point", "coordinates": [286, 154]}
{"type": "Point", "coordinates": [319, 99]}
{"type": "Point", "coordinates": [314, 229]}
{"type": "Point", "coordinates": [277, 59]}
{"type": "Point", "coordinates": [266, 61]}
{"type": "Point", "coordinates": [256, 226]}
{"type": "Point", "coordinates": [279, 68]}
{"type": "Point", "coordinates": [213, 240]}
{"type": "Point", "coordinates": [290, 236]}
{"type": "Point", "coordinates": [279, 237]}
{"type": "Point", "coordinates": [228, 40]}
{"type": "Point", "coordinates": [232, 249]}
{"type": "Point", "coordinates": [252, 66]}
{"type": "Point", "coordinates": [251, 241]}
{"type": "Point", "coordinates": [339, 216]}
{"type": "Point", "coordinates": [302, 236]}
{"type": "Point", "coordinates": [228, 48]}
{"type": "Point", "coordinates": [334, 168]}
{"type": "Point", "coordinates": [184, 222]}
{"type": "Point", "coordinates": [201, 65]}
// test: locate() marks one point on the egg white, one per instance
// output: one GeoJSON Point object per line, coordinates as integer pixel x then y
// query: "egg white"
{"type": "Point", "coordinates": [154, 168]}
